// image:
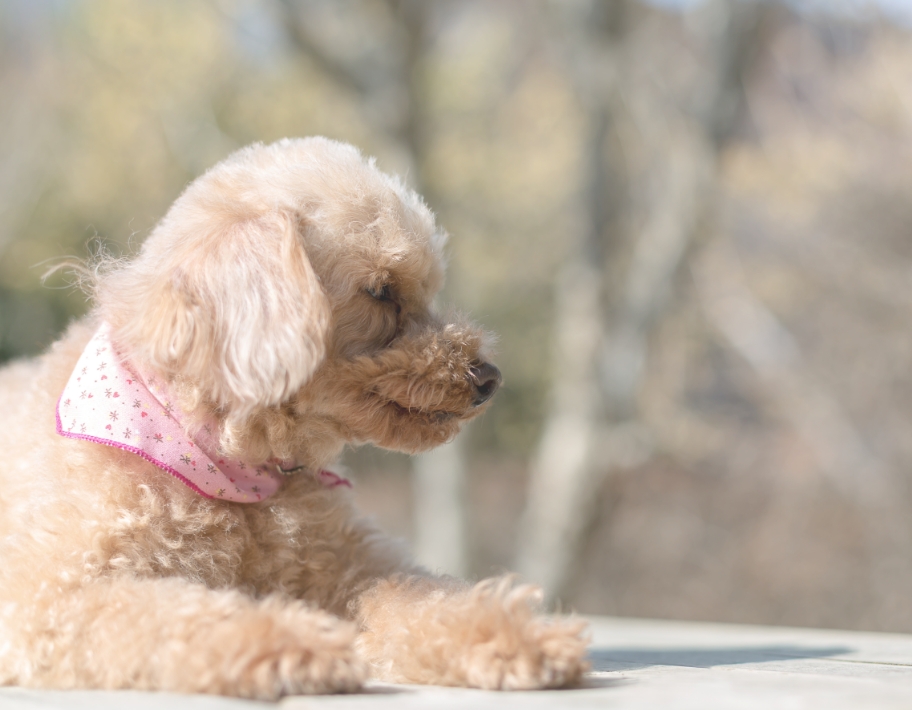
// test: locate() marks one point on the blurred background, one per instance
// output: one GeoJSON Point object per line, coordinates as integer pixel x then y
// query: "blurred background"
{"type": "Point", "coordinates": [689, 223]}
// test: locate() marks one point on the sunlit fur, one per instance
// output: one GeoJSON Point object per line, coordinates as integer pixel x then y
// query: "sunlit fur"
{"type": "Point", "coordinates": [286, 293]}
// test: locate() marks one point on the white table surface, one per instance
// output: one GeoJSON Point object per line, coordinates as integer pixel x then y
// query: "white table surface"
{"type": "Point", "coordinates": [642, 664]}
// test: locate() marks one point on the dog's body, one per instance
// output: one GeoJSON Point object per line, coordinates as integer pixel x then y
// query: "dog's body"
{"type": "Point", "coordinates": [286, 298]}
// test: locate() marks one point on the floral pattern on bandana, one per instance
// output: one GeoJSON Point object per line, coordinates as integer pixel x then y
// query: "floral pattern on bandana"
{"type": "Point", "coordinates": [107, 403]}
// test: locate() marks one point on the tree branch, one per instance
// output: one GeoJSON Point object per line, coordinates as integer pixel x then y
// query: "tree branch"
{"type": "Point", "coordinates": [338, 70]}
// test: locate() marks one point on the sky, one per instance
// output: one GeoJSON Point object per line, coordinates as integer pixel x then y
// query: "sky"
{"type": "Point", "coordinates": [899, 10]}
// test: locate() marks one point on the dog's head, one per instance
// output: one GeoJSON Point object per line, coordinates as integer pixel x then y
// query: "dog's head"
{"type": "Point", "coordinates": [288, 292]}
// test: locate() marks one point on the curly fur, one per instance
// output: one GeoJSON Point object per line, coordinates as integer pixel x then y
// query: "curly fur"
{"type": "Point", "coordinates": [286, 294]}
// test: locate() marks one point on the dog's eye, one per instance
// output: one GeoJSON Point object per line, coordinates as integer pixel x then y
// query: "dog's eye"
{"type": "Point", "coordinates": [381, 294]}
{"type": "Point", "coordinates": [384, 295]}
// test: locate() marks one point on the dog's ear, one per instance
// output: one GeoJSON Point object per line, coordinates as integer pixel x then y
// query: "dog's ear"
{"type": "Point", "coordinates": [237, 312]}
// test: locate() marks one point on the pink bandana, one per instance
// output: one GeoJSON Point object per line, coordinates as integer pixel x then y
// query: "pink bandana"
{"type": "Point", "coordinates": [107, 403]}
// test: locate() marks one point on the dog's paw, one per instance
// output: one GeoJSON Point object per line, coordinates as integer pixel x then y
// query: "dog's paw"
{"type": "Point", "coordinates": [293, 652]}
{"type": "Point", "coordinates": [491, 636]}
{"type": "Point", "coordinates": [505, 644]}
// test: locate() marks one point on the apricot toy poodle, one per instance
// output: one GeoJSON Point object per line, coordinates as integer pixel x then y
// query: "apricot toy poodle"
{"type": "Point", "coordinates": [168, 516]}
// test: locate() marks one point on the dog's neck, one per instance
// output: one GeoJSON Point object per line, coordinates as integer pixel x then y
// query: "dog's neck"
{"type": "Point", "coordinates": [107, 401]}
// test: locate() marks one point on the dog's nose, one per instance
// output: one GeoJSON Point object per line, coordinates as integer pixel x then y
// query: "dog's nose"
{"type": "Point", "coordinates": [486, 379]}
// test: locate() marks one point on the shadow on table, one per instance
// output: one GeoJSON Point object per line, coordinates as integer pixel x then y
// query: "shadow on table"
{"type": "Point", "coordinates": [608, 659]}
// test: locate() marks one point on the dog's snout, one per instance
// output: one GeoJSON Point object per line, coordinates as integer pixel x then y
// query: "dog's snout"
{"type": "Point", "coordinates": [486, 379]}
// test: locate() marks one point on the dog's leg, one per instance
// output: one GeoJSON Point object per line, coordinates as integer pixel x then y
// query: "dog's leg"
{"type": "Point", "coordinates": [446, 632]}
{"type": "Point", "coordinates": [169, 634]}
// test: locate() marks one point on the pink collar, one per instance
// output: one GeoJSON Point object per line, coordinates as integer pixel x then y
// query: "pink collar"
{"type": "Point", "coordinates": [105, 401]}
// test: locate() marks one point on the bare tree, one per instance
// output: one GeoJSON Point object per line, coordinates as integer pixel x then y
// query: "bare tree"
{"type": "Point", "coordinates": [594, 423]}
{"type": "Point", "coordinates": [565, 465]}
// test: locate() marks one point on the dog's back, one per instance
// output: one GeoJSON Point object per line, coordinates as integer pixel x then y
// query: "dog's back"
{"type": "Point", "coordinates": [28, 395]}
{"type": "Point", "coordinates": [18, 384]}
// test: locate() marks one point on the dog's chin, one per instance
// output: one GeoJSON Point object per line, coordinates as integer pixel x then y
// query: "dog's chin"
{"type": "Point", "coordinates": [431, 417]}
{"type": "Point", "coordinates": [412, 430]}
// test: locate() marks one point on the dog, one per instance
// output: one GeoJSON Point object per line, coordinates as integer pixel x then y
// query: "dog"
{"type": "Point", "coordinates": [169, 519]}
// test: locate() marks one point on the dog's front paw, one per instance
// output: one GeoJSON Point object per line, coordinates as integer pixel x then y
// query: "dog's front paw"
{"type": "Point", "coordinates": [491, 636]}
{"type": "Point", "coordinates": [502, 643]}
